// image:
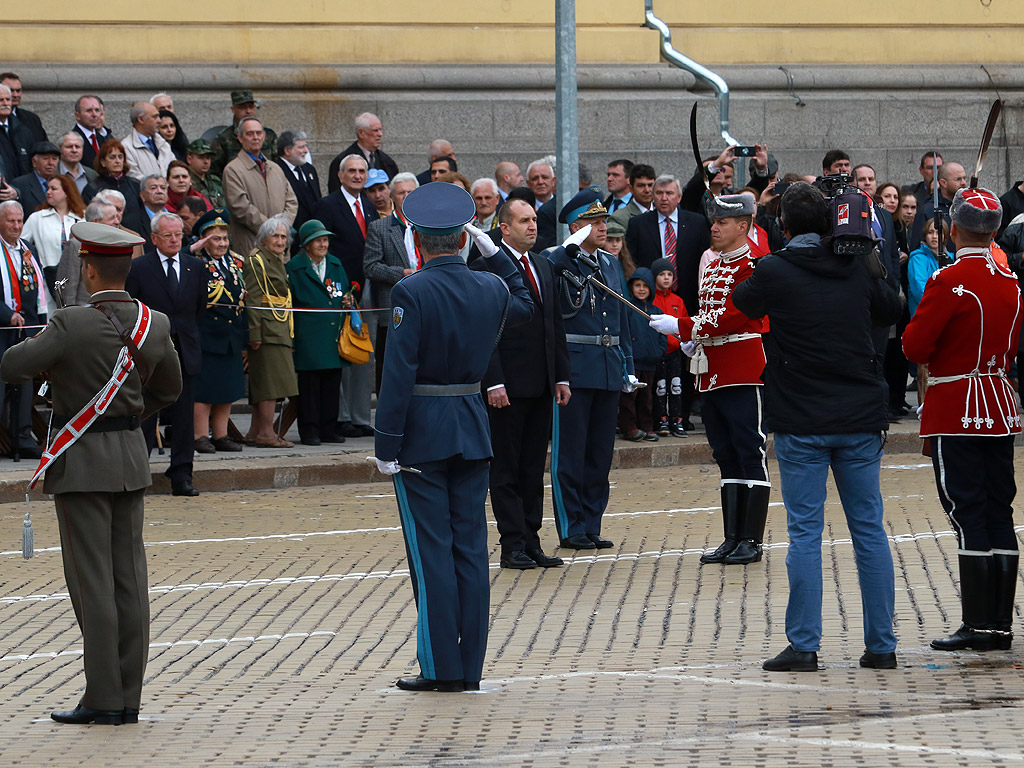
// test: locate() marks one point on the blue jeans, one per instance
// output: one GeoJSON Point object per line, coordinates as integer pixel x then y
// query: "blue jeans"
{"type": "Point", "coordinates": [803, 469]}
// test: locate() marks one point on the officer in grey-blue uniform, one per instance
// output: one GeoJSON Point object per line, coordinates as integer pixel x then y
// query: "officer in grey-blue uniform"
{"type": "Point", "coordinates": [445, 322]}
{"type": "Point", "coordinates": [601, 356]}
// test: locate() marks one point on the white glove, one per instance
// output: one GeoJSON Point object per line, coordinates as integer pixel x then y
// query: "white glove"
{"type": "Point", "coordinates": [387, 467]}
{"type": "Point", "coordinates": [484, 244]}
{"type": "Point", "coordinates": [689, 348]}
{"type": "Point", "coordinates": [665, 324]}
{"type": "Point", "coordinates": [577, 237]}
{"type": "Point", "coordinates": [630, 385]}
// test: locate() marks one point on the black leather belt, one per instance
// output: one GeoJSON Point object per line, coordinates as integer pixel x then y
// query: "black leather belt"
{"type": "Point", "coordinates": [105, 424]}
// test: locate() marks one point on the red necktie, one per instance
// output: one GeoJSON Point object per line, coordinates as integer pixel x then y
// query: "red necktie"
{"type": "Point", "coordinates": [360, 219]}
{"type": "Point", "coordinates": [95, 144]}
{"type": "Point", "coordinates": [670, 249]}
{"type": "Point", "coordinates": [529, 274]}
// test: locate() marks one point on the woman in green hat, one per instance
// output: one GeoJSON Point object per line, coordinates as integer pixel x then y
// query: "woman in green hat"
{"type": "Point", "coordinates": [318, 281]}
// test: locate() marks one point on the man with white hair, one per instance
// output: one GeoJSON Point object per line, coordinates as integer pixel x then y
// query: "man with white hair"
{"type": "Point", "coordinates": [71, 146]}
{"type": "Point", "coordinates": [540, 178]}
{"type": "Point", "coordinates": [145, 150]}
{"type": "Point", "coordinates": [487, 197]}
{"type": "Point", "coordinates": [369, 135]}
{"type": "Point", "coordinates": [438, 148]}
{"type": "Point", "coordinates": [70, 268]}
{"type": "Point", "coordinates": [15, 141]}
{"type": "Point", "coordinates": [174, 282]}
{"type": "Point", "coordinates": [162, 101]}
{"type": "Point", "coordinates": [255, 188]}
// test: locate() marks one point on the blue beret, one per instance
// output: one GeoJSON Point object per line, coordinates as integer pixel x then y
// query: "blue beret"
{"type": "Point", "coordinates": [439, 208]}
{"type": "Point", "coordinates": [585, 204]}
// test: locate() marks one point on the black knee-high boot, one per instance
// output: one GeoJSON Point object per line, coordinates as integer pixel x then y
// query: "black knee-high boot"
{"type": "Point", "coordinates": [976, 601]}
{"type": "Point", "coordinates": [1004, 576]}
{"type": "Point", "coordinates": [733, 495]}
{"type": "Point", "coordinates": [753, 516]}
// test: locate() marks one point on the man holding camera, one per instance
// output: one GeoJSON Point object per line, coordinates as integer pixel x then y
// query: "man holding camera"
{"type": "Point", "coordinates": [826, 406]}
{"type": "Point", "coordinates": [966, 330]}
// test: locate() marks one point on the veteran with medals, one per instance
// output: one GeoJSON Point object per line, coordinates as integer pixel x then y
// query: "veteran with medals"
{"type": "Point", "coordinates": [111, 364]}
{"type": "Point", "coordinates": [271, 329]}
{"type": "Point", "coordinates": [431, 421]}
{"type": "Point", "coordinates": [223, 333]}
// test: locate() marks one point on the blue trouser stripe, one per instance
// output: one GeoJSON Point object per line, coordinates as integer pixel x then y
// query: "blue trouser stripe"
{"type": "Point", "coordinates": [561, 520]}
{"type": "Point", "coordinates": [423, 647]}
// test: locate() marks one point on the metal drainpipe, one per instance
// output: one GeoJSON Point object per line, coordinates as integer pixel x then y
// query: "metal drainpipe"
{"type": "Point", "coordinates": [672, 56]}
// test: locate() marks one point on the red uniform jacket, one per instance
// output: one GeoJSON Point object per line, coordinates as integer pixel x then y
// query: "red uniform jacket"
{"type": "Point", "coordinates": [966, 330]}
{"type": "Point", "coordinates": [670, 304]}
{"type": "Point", "coordinates": [730, 339]}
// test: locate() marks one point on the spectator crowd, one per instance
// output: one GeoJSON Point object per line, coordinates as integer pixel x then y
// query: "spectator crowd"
{"type": "Point", "coordinates": [245, 231]}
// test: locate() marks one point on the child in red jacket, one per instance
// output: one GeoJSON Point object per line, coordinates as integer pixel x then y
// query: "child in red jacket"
{"type": "Point", "coordinates": [668, 378]}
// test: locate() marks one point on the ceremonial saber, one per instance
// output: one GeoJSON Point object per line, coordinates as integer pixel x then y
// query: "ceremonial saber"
{"type": "Point", "coordinates": [986, 139]}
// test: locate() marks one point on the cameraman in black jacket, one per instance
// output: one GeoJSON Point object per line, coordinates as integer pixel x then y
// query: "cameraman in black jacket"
{"type": "Point", "coordinates": [825, 401]}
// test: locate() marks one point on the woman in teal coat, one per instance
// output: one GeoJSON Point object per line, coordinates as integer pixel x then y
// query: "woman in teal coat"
{"type": "Point", "coordinates": [318, 281]}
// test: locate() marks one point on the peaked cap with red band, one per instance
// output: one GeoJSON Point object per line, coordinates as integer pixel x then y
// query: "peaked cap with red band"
{"type": "Point", "coordinates": [976, 210]}
{"type": "Point", "coordinates": [104, 240]}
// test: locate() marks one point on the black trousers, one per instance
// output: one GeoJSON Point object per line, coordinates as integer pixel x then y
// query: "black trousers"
{"type": "Point", "coordinates": [180, 416]}
{"type": "Point", "coordinates": [635, 407]}
{"type": "Point", "coordinates": [734, 419]}
{"type": "Point", "coordinates": [378, 348]}
{"type": "Point", "coordinates": [519, 440]}
{"type": "Point", "coordinates": [318, 403]}
{"type": "Point", "coordinates": [974, 476]}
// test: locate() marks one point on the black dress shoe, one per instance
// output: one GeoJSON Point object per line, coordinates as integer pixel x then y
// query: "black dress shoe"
{"type": "Point", "coordinates": [129, 716]}
{"type": "Point", "coordinates": [365, 430]}
{"type": "Point", "coordinates": [538, 556]}
{"type": "Point", "coordinates": [517, 559]}
{"type": "Point", "coordinates": [311, 441]}
{"type": "Point", "coordinates": [183, 489]}
{"type": "Point", "coordinates": [967, 637]}
{"type": "Point", "coordinates": [348, 429]}
{"type": "Point", "coordinates": [332, 439]}
{"type": "Point", "coordinates": [82, 715]}
{"type": "Point", "coordinates": [792, 661]}
{"type": "Point", "coordinates": [599, 542]}
{"type": "Point", "coordinates": [468, 686]}
{"type": "Point", "coordinates": [721, 553]}
{"type": "Point", "coordinates": [746, 551]}
{"type": "Point", "coordinates": [878, 660]}
{"type": "Point", "coordinates": [421, 683]}
{"type": "Point", "coordinates": [579, 541]}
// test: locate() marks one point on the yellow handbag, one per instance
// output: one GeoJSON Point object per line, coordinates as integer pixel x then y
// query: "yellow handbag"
{"type": "Point", "coordinates": [354, 343]}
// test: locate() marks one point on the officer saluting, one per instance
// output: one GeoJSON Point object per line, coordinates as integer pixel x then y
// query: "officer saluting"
{"type": "Point", "coordinates": [431, 420]}
{"type": "Point", "coordinates": [601, 356]}
{"type": "Point", "coordinates": [111, 364]}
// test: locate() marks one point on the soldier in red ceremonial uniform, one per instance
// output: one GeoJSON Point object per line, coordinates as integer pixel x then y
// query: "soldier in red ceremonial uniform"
{"type": "Point", "coordinates": [966, 330]}
{"type": "Point", "coordinates": [728, 360]}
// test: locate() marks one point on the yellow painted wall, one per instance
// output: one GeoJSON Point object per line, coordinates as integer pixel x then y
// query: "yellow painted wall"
{"type": "Point", "coordinates": [512, 31]}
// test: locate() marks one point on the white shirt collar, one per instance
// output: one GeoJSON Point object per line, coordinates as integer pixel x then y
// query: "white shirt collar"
{"type": "Point", "coordinates": [673, 217]}
{"type": "Point", "coordinates": [517, 254]}
{"type": "Point", "coordinates": [351, 200]}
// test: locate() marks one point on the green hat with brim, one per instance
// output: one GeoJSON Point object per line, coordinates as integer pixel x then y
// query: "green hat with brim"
{"type": "Point", "coordinates": [310, 231]}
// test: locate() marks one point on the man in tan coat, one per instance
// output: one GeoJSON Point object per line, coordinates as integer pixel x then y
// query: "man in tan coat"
{"type": "Point", "coordinates": [99, 482]}
{"type": "Point", "coordinates": [255, 188]}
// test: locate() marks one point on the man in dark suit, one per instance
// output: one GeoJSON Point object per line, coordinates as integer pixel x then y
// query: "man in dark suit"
{"type": "Point", "coordinates": [29, 119]}
{"type": "Point", "coordinates": [650, 236]}
{"type": "Point", "coordinates": [15, 139]}
{"type": "Point", "coordinates": [174, 283]}
{"type": "Point", "coordinates": [647, 234]}
{"type": "Point", "coordinates": [32, 186]}
{"type": "Point", "coordinates": [347, 214]}
{"type": "Point", "coordinates": [369, 134]}
{"type": "Point", "coordinates": [90, 117]}
{"type": "Point", "coordinates": [619, 194]}
{"type": "Point", "coordinates": [293, 157]}
{"type": "Point", "coordinates": [529, 367]}
{"type": "Point", "coordinates": [388, 257]}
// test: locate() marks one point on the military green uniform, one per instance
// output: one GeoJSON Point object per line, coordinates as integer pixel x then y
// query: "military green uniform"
{"type": "Point", "coordinates": [212, 187]}
{"type": "Point", "coordinates": [99, 482]}
{"type": "Point", "coordinates": [226, 145]}
{"type": "Point", "coordinates": [271, 367]}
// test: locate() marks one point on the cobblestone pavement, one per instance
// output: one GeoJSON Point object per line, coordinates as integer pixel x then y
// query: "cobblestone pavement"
{"type": "Point", "coordinates": [282, 618]}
